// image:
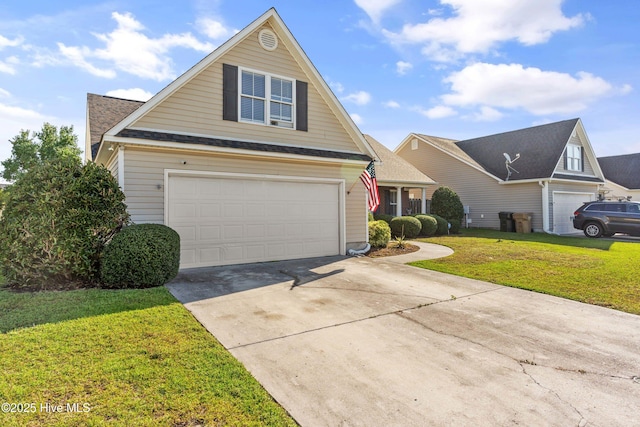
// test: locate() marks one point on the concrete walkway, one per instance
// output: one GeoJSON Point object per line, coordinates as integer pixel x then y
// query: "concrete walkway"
{"type": "Point", "coordinates": [362, 342]}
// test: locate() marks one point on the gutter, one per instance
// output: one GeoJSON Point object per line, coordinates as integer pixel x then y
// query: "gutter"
{"type": "Point", "coordinates": [545, 206]}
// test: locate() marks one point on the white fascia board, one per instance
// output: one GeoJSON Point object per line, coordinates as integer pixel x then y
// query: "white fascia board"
{"type": "Point", "coordinates": [406, 184]}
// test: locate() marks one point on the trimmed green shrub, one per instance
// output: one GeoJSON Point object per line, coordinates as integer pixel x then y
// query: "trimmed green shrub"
{"type": "Point", "coordinates": [379, 234]}
{"type": "Point", "coordinates": [446, 203]}
{"type": "Point", "coordinates": [57, 218]}
{"type": "Point", "coordinates": [429, 225]}
{"type": "Point", "coordinates": [406, 226]}
{"type": "Point", "coordinates": [383, 217]}
{"type": "Point", "coordinates": [141, 256]}
{"type": "Point", "coordinates": [370, 217]}
{"type": "Point", "coordinates": [443, 225]}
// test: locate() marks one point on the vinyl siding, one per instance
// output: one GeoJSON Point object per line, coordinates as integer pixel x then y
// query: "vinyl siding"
{"type": "Point", "coordinates": [196, 108]}
{"type": "Point", "coordinates": [112, 165]}
{"type": "Point", "coordinates": [485, 197]}
{"type": "Point", "coordinates": [144, 182]}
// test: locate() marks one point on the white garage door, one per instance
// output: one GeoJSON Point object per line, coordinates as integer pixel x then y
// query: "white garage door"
{"type": "Point", "coordinates": [233, 220]}
{"type": "Point", "coordinates": [564, 205]}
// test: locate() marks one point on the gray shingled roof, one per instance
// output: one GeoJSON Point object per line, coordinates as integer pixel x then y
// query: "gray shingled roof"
{"type": "Point", "coordinates": [394, 168]}
{"type": "Point", "coordinates": [104, 113]}
{"type": "Point", "coordinates": [623, 170]}
{"type": "Point", "coordinates": [540, 149]}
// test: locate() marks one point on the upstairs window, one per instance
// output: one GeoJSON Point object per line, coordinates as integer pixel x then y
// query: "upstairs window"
{"type": "Point", "coordinates": [266, 99]}
{"type": "Point", "coordinates": [574, 158]}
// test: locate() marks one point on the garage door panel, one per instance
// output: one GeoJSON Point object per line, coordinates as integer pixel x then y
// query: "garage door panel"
{"type": "Point", "coordinates": [224, 220]}
{"type": "Point", "coordinates": [564, 205]}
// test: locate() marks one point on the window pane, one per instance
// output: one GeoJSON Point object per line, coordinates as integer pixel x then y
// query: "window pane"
{"type": "Point", "coordinates": [252, 109]}
{"type": "Point", "coordinates": [253, 84]}
{"type": "Point", "coordinates": [281, 90]}
{"type": "Point", "coordinates": [280, 111]}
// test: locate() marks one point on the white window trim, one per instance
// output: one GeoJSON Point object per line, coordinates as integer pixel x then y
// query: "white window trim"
{"type": "Point", "coordinates": [571, 159]}
{"type": "Point", "coordinates": [267, 99]}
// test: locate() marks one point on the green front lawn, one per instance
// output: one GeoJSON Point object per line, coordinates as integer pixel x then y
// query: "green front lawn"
{"type": "Point", "coordinates": [594, 271]}
{"type": "Point", "coordinates": [127, 358]}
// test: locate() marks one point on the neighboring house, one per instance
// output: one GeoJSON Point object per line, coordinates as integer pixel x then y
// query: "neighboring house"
{"type": "Point", "coordinates": [553, 170]}
{"type": "Point", "coordinates": [395, 177]}
{"type": "Point", "coordinates": [247, 155]}
{"type": "Point", "coordinates": [622, 176]}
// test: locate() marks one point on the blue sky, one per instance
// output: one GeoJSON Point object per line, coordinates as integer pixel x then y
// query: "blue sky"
{"type": "Point", "coordinates": [451, 68]}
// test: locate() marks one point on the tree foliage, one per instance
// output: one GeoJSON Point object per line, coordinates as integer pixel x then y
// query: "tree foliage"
{"type": "Point", "coordinates": [446, 203]}
{"type": "Point", "coordinates": [57, 218]}
{"type": "Point", "coordinates": [31, 149]}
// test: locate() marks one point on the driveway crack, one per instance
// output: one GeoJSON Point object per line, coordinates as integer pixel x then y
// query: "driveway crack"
{"type": "Point", "coordinates": [521, 363]}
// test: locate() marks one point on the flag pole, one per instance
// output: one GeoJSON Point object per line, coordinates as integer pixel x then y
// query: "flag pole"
{"type": "Point", "coordinates": [354, 184]}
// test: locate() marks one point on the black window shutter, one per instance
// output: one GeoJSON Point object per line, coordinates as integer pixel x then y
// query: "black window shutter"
{"type": "Point", "coordinates": [582, 159]}
{"type": "Point", "coordinates": [566, 162]}
{"type": "Point", "coordinates": [301, 106]}
{"type": "Point", "coordinates": [229, 92]}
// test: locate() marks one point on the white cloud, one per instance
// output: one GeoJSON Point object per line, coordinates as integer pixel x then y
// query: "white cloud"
{"type": "Point", "coordinates": [134, 93]}
{"type": "Point", "coordinates": [437, 112]}
{"type": "Point", "coordinates": [5, 42]}
{"type": "Point", "coordinates": [337, 87]}
{"type": "Point", "coordinates": [358, 98]}
{"type": "Point", "coordinates": [4, 93]}
{"type": "Point", "coordinates": [128, 49]}
{"type": "Point", "coordinates": [8, 66]}
{"type": "Point", "coordinates": [375, 8]}
{"type": "Point", "coordinates": [214, 29]}
{"type": "Point", "coordinates": [487, 114]}
{"type": "Point", "coordinates": [403, 67]}
{"type": "Point", "coordinates": [478, 26]}
{"type": "Point", "coordinates": [391, 104]}
{"type": "Point", "coordinates": [512, 86]}
{"type": "Point", "coordinates": [77, 55]}
{"type": "Point", "coordinates": [357, 118]}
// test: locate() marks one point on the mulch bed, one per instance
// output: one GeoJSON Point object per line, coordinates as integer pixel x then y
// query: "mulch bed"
{"type": "Point", "coordinates": [391, 250]}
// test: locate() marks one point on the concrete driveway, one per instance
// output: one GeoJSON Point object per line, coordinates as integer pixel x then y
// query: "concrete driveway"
{"type": "Point", "coordinates": [360, 342]}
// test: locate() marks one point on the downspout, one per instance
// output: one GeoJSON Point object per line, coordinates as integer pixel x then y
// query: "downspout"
{"type": "Point", "coordinates": [355, 252]}
{"type": "Point", "coordinates": [545, 206]}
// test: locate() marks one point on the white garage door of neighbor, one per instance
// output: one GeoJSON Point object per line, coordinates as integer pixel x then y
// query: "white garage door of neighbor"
{"type": "Point", "coordinates": [235, 220]}
{"type": "Point", "coordinates": [564, 205]}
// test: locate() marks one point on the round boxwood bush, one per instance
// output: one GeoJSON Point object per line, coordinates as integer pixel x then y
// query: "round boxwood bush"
{"type": "Point", "coordinates": [56, 220]}
{"type": "Point", "coordinates": [443, 225]}
{"type": "Point", "coordinates": [383, 217]}
{"type": "Point", "coordinates": [429, 225]}
{"type": "Point", "coordinates": [370, 217]}
{"type": "Point", "coordinates": [379, 234]}
{"type": "Point", "coordinates": [141, 256]}
{"type": "Point", "coordinates": [406, 226]}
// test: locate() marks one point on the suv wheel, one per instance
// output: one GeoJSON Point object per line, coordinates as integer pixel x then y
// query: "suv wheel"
{"type": "Point", "coordinates": [593, 229]}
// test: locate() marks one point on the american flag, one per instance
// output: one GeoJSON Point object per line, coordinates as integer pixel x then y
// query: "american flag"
{"type": "Point", "coordinates": [368, 178]}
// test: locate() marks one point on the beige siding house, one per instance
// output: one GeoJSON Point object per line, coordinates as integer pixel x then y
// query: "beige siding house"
{"type": "Point", "coordinates": [248, 155]}
{"type": "Point", "coordinates": [547, 171]}
{"type": "Point", "coordinates": [622, 176]}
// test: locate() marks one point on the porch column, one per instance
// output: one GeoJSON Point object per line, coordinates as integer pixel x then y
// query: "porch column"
{"type": "Point", "coordinates": [424, 200]}
{"type": "Point", "coordinates": [399, 201]}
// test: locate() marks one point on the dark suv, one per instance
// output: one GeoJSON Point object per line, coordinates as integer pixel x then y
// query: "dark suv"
{"type": "Point", "coordinates": [607, 218]}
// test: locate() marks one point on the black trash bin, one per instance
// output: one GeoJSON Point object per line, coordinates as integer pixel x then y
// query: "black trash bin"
{"type": "Point", "coordinates": [506, 221]}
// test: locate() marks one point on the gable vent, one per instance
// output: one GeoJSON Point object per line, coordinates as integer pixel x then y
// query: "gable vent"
{"type": "Point", "coordinates": [268, 39]}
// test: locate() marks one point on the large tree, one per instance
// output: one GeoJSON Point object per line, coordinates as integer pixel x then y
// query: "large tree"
{"type": "Point", "coordinates": [31, 149]}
